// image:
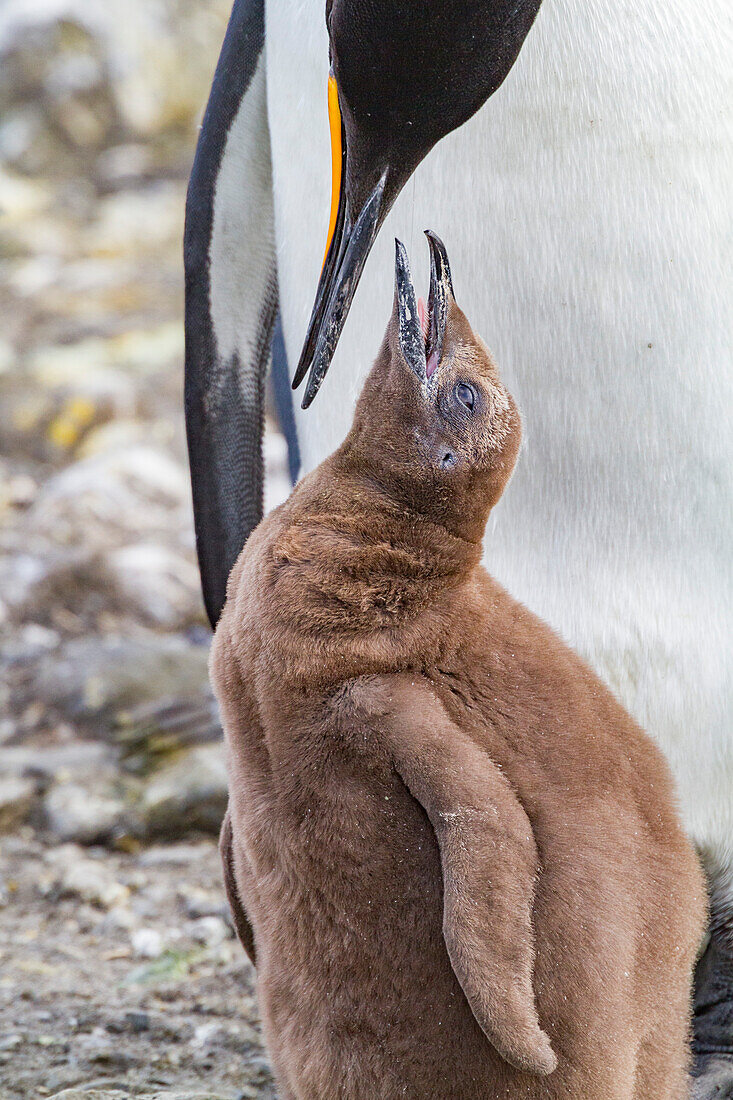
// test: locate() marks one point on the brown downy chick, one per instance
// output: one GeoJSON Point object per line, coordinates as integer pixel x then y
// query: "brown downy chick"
{"type": "Point", "coordinates": [453, 856]}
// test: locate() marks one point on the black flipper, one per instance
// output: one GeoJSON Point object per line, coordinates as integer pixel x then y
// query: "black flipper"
{"type": "Point", "coordinates": [283, 394]}
{"type": "Point", "coordinates": [713, 1020]}
{"type": "Point", "coordinates": [239, 916]}
{"type": "Point", "coordinates": [225, 372]}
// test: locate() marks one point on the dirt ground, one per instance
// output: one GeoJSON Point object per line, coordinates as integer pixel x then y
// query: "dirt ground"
{"type": "Point", "coordinates": [120, 976]}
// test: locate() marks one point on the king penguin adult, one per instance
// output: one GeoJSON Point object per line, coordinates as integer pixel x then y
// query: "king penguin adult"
{"type": "Point", "coordinates": [594, 184]}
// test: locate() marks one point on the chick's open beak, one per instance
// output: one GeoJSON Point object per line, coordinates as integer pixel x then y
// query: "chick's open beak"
{"type": "Point", "coordinates": [408, 318]}
{"type": "Point", "coordinates": [422, 344]}
{"type": "Point", "coordinates": [439, 299]}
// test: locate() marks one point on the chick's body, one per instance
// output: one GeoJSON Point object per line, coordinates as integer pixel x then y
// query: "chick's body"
{"type": "Point", "coordinates": [453, 855]}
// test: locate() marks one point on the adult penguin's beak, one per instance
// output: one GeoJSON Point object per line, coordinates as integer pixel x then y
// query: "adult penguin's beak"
{"type": "Point", "coordinates": [405, 76]}
{"type": "Point", "coordinates": [352, 229]}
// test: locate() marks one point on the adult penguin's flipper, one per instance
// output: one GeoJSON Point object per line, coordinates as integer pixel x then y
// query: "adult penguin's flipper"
{"type": "Point", "coordinates": [713, 1019]}
{"type": "Point", "coordinates": [231, 302]}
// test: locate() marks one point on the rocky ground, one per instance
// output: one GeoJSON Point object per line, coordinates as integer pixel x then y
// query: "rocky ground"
{"type": "Point", "coordinates": [119, 970]}
{"type": "Point", "coordinates": [120, 976]}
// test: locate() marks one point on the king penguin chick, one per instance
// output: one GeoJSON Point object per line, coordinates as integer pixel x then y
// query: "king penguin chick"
{"type": "Point", "coordinates": [452, 855]}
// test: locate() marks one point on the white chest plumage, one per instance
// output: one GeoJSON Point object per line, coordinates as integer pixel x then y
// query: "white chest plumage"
{"type": "Point", "coordinates": [587, 212]}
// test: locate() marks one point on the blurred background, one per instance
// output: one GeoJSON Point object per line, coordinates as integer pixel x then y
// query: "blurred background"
{"type": "Point", "coordinates": [119, 973]}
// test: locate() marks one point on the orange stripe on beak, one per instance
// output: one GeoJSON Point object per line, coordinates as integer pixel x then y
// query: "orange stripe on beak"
{"type": "Point", "coordinates": [334, 122]}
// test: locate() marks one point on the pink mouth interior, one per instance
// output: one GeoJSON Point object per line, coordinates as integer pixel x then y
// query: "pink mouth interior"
{"type": "Point", "coordinates": [423, 315]}
{"type": "Point", "coordinates": [422, 312]}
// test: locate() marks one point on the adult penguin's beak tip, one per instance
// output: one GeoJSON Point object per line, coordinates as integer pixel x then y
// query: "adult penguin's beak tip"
{"type": "Point", "coordinates": [311, 390]}
{"type": "Point", "coordinates": [345, 260]}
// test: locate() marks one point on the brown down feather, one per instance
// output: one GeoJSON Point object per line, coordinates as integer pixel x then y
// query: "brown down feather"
{"type": "Point", "coordinates": [455, 857]}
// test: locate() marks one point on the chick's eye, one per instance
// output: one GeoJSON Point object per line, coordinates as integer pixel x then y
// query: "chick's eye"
{"type": "Point", "coordinates": [465, 394]}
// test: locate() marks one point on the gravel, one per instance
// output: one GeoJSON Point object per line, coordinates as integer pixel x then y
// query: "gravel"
{"type": "Point", "coordinates": [156, 1004]}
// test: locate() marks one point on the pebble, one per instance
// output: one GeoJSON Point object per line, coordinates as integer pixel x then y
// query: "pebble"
{"type": "Point", "coordinates": [99, 1047]}
{"type": "Point", "coordinates": [147, 943]}
{"type": "Point", "coordinates": [87, 880]}
{"type": "Point", "coordinates": [210, 930]}
{"type": "Point", "coordinates": [160, 585]}
{"type": "Point", "coordinates": [121, 918]}
{"type": "Point", "coordinates": [204, 1035]}
{"type": "Point", "coordinates": [80, 758]}
{"type": "Point", "coordinates": [17, 796]}
{"type": "Point", "coordinates": [182, 855]}
{"type": "Point", "coordinates": [137, 1021]}
{"type": "Point", "coordinates": [77, 813]}
{"type": "Point", "coordinates": [63, 1077]}
{"type": "Point", "coordinates": [189, 793]}
{"type": "Point", "coordinates": [34, 637]}
{"type": "Point", "coordinates": [82, 1093]}
{"type": "Point", "coordinates": [202, 903]}
{"type": "Point", "coordinates": [97, 1093]}
{"type": "Point", "coordinates": [92, 678]}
